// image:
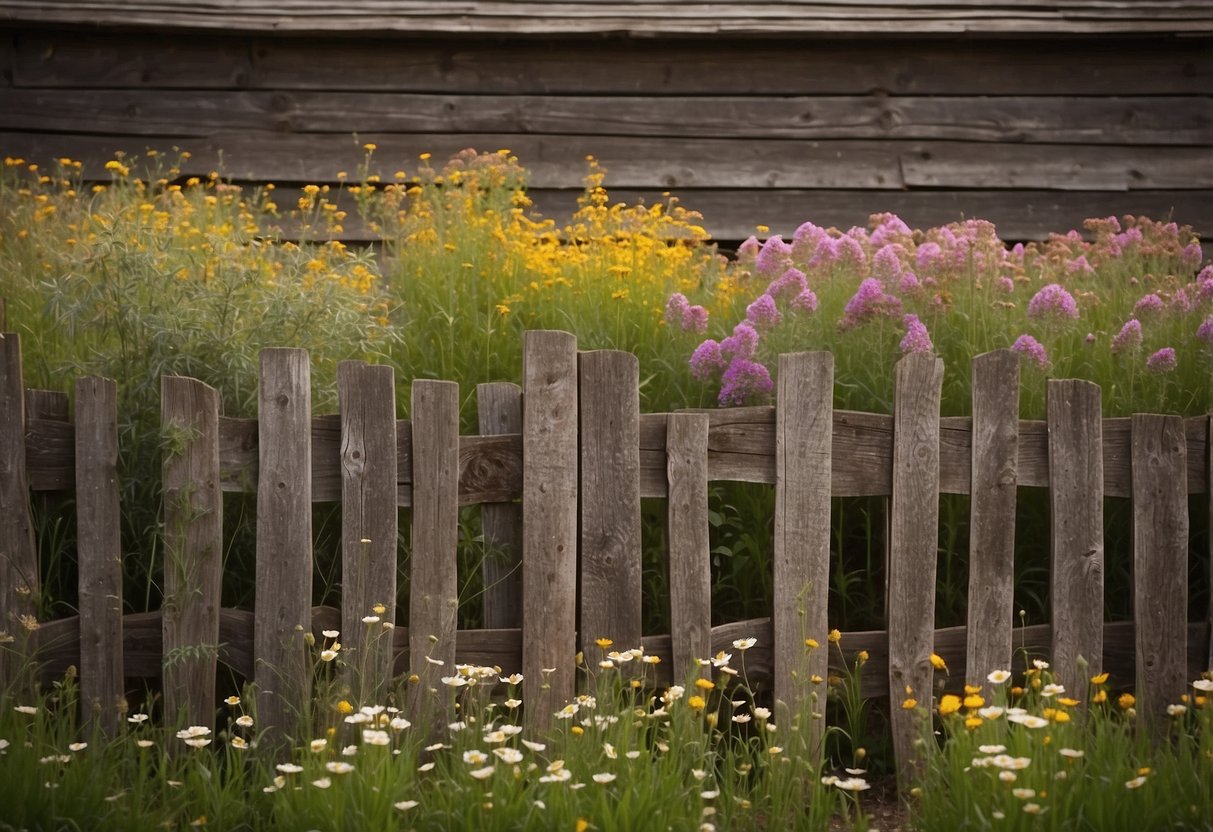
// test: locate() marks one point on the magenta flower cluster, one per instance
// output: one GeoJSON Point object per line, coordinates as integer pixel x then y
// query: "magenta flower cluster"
{"type": "Point", "coordinates": [1031, 349]}
{"type": "Point", "coordinates": [1053, 300]}
{"type": "Point", "coordinates": [681, 313]}
{"type": "Point", "coordinates": [916, 339]}
{"type": "Point", "coordinates": [908, 276]}
{"type": "Point", "coordinates": [1163, 361]}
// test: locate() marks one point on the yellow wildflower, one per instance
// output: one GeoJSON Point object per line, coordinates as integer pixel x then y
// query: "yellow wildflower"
{"type": "Point", "coordinates": [950, 704]}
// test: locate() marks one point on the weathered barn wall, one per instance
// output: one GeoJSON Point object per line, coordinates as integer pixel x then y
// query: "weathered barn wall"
{"type": "Point", "coordinates": [1034, 133]}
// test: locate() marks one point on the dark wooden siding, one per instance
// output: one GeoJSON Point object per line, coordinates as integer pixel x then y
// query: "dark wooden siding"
{"type": "Point", "coordinates": [1034, 134]}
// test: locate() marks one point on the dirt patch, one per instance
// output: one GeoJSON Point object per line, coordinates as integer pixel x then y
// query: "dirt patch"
{"type": "Point", "coordinates": [884, 810]}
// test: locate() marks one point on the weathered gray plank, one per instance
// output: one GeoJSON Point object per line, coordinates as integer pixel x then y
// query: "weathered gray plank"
{"type": "Point", "coordinates": [804, 420]}
{"type": "Point", "coordinates": [690, 556]}
{"type": "Point", "coordinates": [58, 647]}
{"type": "Point", "coordinates": [1058, 167]}
{"type": "Point", "coordinates": [193, 548]}
{"type": "Point", "coordinates": [18, 554]}
{"type": "Point", "coordinates": [913, 544]}
{"type": "Point", "coordinates": [1127, 120]}
{"type": "Point", "coordinates": [433, 599]}
{"type": "Point", "coordinates": [369, 524]}
{"type": "Point", "coordinates": [46, 404]}
{"type": "Point", "coordinates": [284, 544]}
{"type": "Point", "coordinates": [648, 20]}
{"type": "Point", "coordinates": [742, 442]}
{"type": "Point", "coordinates": [609, 407]}
{"type": "Point", "coordinates": [99, 546]}
{"type": "Point", "coordinates": [499, 407]}
{"type": "Point", "coordinates": [995, 455]}
{"type": "Point", "coordinates": [434, 585]}
{"type": "Point", "coordinates": [224, 60]}
{"type": "Point", "coordinates": [1160, 563]}
{"type": "Point", "coordinates": [549, 522]}
{"type": "Point", "coordinates": [47, 58]}
{"type": "Point", "coordinates": [557, 161]}
{"type": "Point", "coordinates": [1076, 502]}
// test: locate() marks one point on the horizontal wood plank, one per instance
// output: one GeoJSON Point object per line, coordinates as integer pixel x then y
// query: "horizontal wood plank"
{"type": "Point", "coordinates": [58, 647]}
{"type": "Point", "coordinates": [502, 17]}
{"type": "Point", "coordinates": [676, 67]}
{"type": "Point", "coordinates": [665, 163]}
{"type": "Point", "coordinates": [1157, 120]}
{"type": "Point", "coordinates": [741, 445]}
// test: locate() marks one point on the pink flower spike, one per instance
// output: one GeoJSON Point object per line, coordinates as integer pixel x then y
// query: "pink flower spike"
{"type": "Point", "coordinates": [762, 312]}
{"type": "Point", "coordinates": [916, 339]}
{"type": "Point", "coordinates": [1032, 349]}
{"type": "Point", "coordinates": [1053, 300]}
{"type": "Point", "coordinates": [1129, 337]}
{"type": "Point", "coordinates": [1163, 361]}
{"type": "Point", "coordinates": [743, 380]}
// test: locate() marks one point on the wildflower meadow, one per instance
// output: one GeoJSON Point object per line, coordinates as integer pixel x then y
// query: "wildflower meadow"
{"type": "Point", "coordinates": [134, 271]}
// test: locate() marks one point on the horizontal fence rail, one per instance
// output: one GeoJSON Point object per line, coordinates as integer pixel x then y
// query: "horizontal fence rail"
{"type": "Point", "coordinates": [559, 470]}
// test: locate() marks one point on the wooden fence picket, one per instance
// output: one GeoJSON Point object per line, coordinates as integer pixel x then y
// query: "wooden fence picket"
{"type": "Point", "coordinates": [1076, 493]}
{"type": "Point", "coordinates": [99, 553]}
{"type": "Point", "coordinates": [434, 585]}
{"type": "Point", "coordinates": [995, 480]}
{"type": "Point", "coordinates": [913, 545]}
{"type": "Point", "coordinates": [1160, 563]}
{"type": "Point", "coordinates": [804, 438]}
{"type": "Point", "coordinates": [549, 523]}
{"type": "Point", "coordinates": [193, 549]}
{"type": "Point", "coordinates": [689, 551]}
{"type": "Point", "coordinates": [499, 408]}
{"type": "Point", "coordinates": [47, 404]}
{"type": "Point", "coordinates": [18, 552]}
{"type": "Point", "coordinates": [369, 522]}
{"type": "Point", "coordinates": [563, 463]}
{"type": "Point", "coordinates": [284, 544]}
{"type": "Point", "coordinates": [609, 407]}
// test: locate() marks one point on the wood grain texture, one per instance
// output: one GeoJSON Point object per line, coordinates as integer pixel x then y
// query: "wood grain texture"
{"type": "Point", "coordinates": [284, 544]}
{"type": "Point", "coordinates": [193, 549]}
{"type": "Point", "coordinates": [676, 67]}
{"type": "Point", "coordinates": [1076, 503]}
{"type": "Point", "coordinates": [804, 420]}
{"type": "Point", "coordinates": [18, 553]}
{"type": "Point", "coordinates": [99, 552]}
{"type": "Point", "coordinates": [663, 163]}
{"type": "Point", "coordinates": [549, 523]}
{"type": "Point", "coordinates": [995, 457]}
{"type": "Point", "coordinates": [648, 20]}
{"type": "Point", "coordinates": [47, 404]}
{"type": "Point", "coordinates": [433, 578]}
{"type": "Point", "coordinates": [499, 409]}
{"type": "Point", "coordinates": [58, 647]}
{"type": "Point", "coordinates": [609, 412]}
{"type": "Point", "coordinates": [1160, 564]}
{"type": "Point", "coordinates": [689, 547]}
{"type": "Point", "coordinates": [1100, 120]}
{"type": "Point", "coordinates": [730, 208]}
{"type": "Point", "coordinates": [369, 524]}
{"type": "Point", "coordinates": [742, 442]}
{"type": "Point", "coordinates": [913, 544]}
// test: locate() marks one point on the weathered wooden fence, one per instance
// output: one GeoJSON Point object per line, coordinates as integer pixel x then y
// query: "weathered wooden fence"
{"type": "Point", "coordinates": [560, 469]}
